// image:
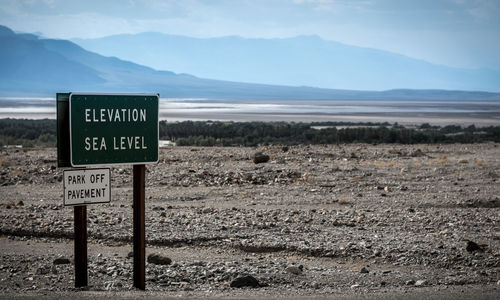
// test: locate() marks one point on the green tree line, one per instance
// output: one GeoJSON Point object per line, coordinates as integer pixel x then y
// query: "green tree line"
{"type": "Point", "coordinates": [28, 133]}
{"type": "Point", "coordinates": [41, 133]}
{"type": "Point", "coordinates": [265, 133]}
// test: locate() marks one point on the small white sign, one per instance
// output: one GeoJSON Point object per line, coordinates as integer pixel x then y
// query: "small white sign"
{"type": "Point", "coordinates": [87, 186]}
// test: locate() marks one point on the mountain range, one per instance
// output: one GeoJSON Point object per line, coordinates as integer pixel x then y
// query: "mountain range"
{"type": "Point", "coordinates": [296, 61]}
{"type": "Point", "coordinates": [33, 66]}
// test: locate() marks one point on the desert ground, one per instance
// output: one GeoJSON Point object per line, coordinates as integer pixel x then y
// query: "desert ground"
{"type": "Point", "coordinates": [355, 221]}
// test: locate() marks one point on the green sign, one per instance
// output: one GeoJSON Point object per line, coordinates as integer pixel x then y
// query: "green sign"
{"type": "Point", "coordinates": [113, 129]}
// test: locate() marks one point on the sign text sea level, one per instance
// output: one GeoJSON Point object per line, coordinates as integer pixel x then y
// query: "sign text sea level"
{"type": "Point", "coordinates": [119, 143]}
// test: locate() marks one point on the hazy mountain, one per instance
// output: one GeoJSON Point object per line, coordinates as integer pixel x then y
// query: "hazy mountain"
{"type": "Point", "coordinates": [34, 66]}
{"type": "Point", "coordinates": [298, 61]}
{"type": "Point", "coordinates": [26, 65]}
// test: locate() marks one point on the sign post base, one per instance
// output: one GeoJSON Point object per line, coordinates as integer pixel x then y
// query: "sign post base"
{"type": "Point", "coordinates": [139, 183]}
{"type": "Point", "coordinates": [81, 278]}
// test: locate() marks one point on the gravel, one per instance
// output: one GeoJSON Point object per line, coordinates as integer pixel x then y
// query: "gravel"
{"type": "Point", "coordinates": [310, 219]}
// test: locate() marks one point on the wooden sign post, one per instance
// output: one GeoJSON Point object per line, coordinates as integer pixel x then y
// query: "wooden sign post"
{"type": "Point", "coordinates": [139, 227]}
{"type": "Point", "coordinates": [81, 264]}
{"type": "Point", "coordinates": [106, 129]}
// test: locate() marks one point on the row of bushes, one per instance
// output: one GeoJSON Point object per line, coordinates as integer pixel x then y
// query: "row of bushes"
{"type": "Point", "coordinates": [264, 133]}
{"type": "Point", "coordinates": [42, 133]}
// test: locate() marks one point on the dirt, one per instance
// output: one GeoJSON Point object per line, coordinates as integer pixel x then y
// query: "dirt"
{"type": "Point", "coordinates": [312, 221]}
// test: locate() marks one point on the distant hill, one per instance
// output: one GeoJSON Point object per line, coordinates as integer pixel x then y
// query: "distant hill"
{"type": "Point", "coordinates": [297, 61]}
{"type": "Point", "coordinates": [27, 66]}
{"type": "Point", "coordinates": [33, 66]}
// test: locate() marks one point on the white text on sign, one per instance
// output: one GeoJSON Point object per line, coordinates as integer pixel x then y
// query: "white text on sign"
{"type": "Point", "coordinates": [115, 115]}
{"type": "Point", "coordinates": [119, 143]}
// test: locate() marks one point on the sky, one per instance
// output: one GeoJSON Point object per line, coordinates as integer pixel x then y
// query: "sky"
{"type": "Point", "coordinates": [458, 33]}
